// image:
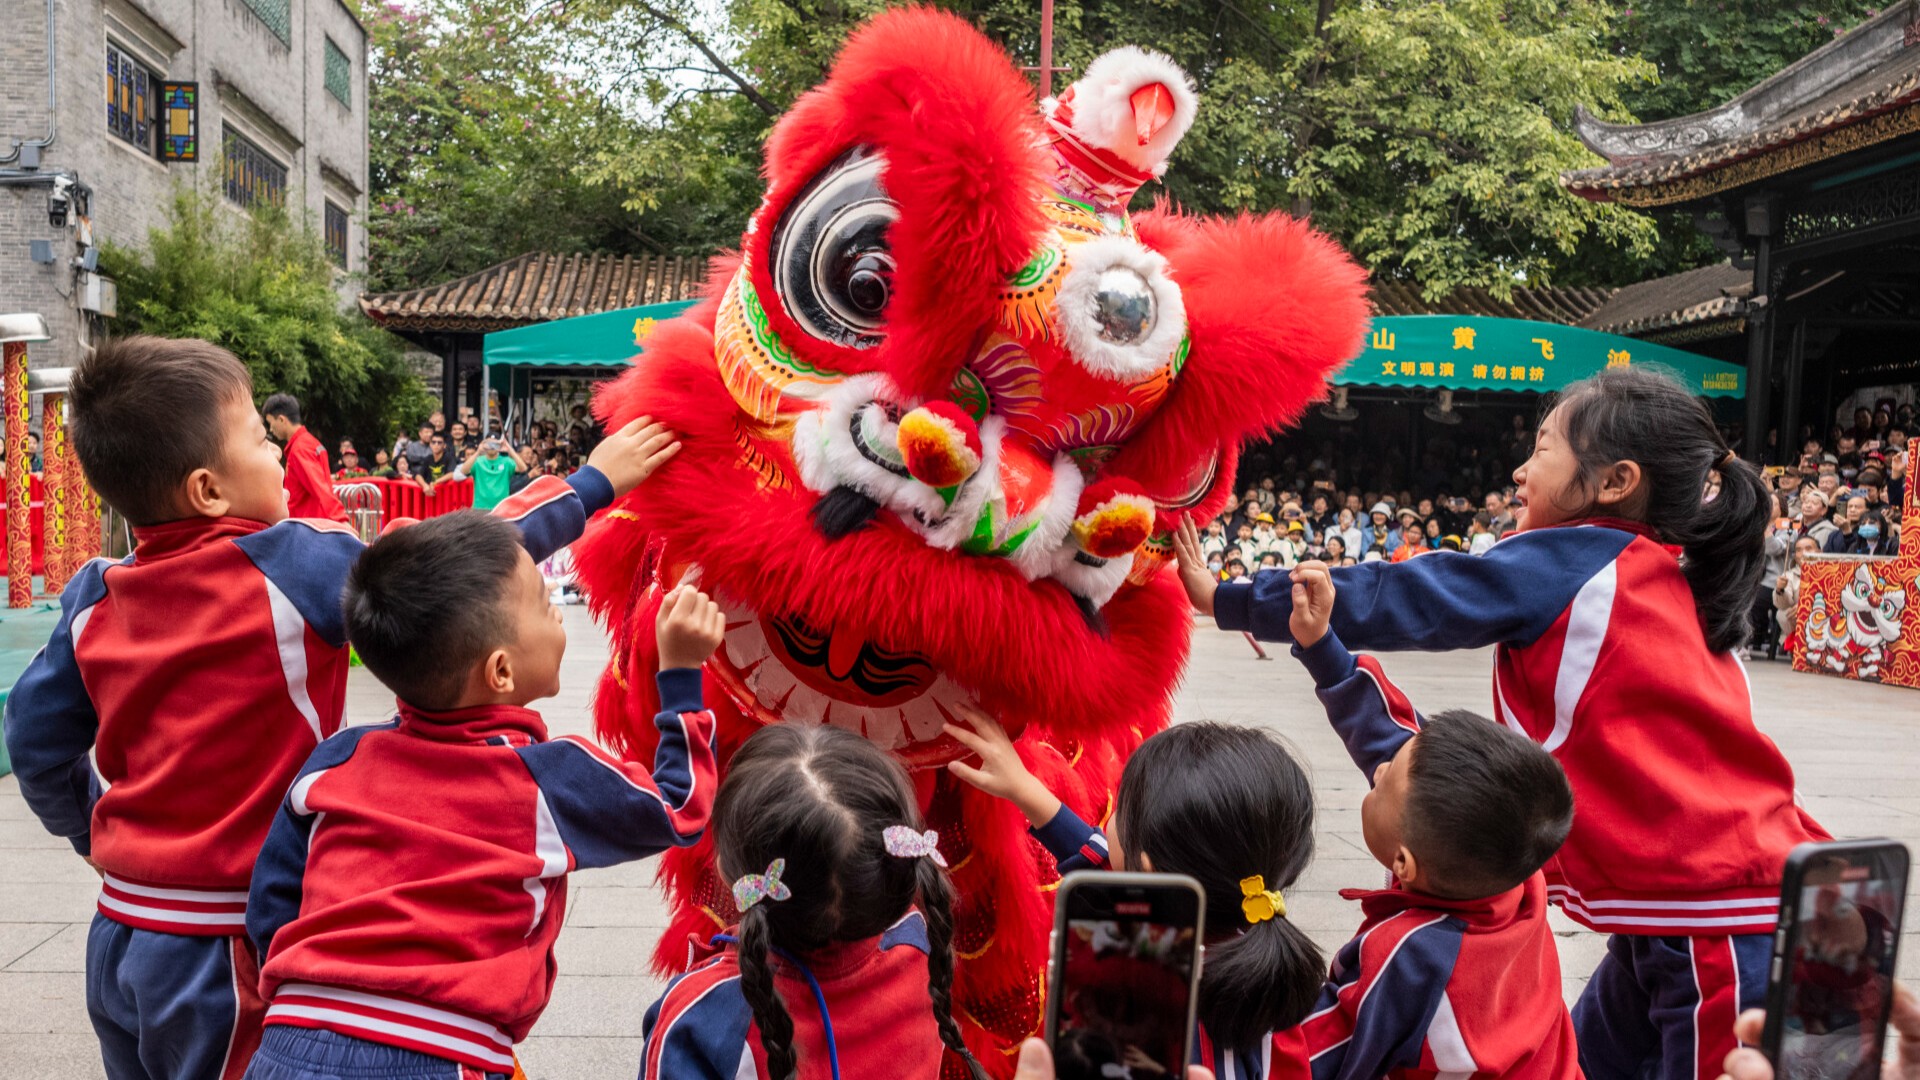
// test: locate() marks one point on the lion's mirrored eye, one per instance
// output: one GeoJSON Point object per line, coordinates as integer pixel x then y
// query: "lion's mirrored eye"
{"type": "Point", "coordinates": [1123, 306]}
{"type": "Point", "coordinates": [831, 264]}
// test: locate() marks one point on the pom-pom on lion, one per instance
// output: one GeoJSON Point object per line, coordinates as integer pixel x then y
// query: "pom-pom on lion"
{"type": "Point", "coordinates": [940, 414]}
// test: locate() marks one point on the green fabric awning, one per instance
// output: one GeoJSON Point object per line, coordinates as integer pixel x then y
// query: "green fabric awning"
{"type": "Point", "coordinates": [1475, 352]}
{"type": "Point", "coordinates": [605, 339]}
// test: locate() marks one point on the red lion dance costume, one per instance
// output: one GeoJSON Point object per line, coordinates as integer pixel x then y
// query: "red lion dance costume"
{"type": "Point", "coordinates": [939, 415]}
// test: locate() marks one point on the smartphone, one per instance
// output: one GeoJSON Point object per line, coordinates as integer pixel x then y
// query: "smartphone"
{"type": "Point", "coordinates": [1831, 984]}
{"type": "Point", "coordinates": [1125, 974]}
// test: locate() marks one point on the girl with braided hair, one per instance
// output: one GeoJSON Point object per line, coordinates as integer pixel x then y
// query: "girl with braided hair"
{"type": "Point", "coordinates": [846, 931]}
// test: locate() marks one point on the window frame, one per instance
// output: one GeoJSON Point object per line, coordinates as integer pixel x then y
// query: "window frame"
{"type": "Point", "coordinates": [285, 37]}
{"type": "Point", "coordinates": [341, 256]}
{"type": "Point", "coordinates": [328, 50]}
{"type": "Point", "coordinates": [127, 56]}
{"type": "Point", "coordinates": [229, 135]}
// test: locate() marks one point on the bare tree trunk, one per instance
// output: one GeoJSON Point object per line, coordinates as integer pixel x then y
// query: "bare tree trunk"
{"type": "Point", "coordinates": [1308, 130]}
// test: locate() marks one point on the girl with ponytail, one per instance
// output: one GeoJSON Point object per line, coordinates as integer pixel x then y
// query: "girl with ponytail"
{"type": "Point", "coordinates": [842, 962]}
{"type": "Point", "coordinates": [1614, 613]}
{"type": "Point", "coordinates": [1224, 805]}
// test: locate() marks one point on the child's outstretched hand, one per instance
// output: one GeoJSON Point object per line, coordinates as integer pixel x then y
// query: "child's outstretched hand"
{"type": "Point", "coordinates": [1001, 773]}
{"type": "Point", "coordinates": [689, 628]}
{"type": "Point", "coordinates": [1312, 603]}
{"type": "Point", "coordinates": [631, 454]}
{"type": "Point", "coordinates": [1199, 581]}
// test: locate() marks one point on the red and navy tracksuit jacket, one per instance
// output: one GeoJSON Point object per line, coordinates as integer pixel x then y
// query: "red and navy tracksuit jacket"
{"type": "Point", "coordinates": [1430, 986]}
{"type": "Point", "coordinates": [859, 1009]}
{"type": "Point", "coordinates": [199, 672]}
{"type": "Point", "coordinates": [1601, 659]}
{"type": "Point", "coordinates": [1685, 811]}
{"type": "Point", "coordinates": [415, 878]}
{"type": "Point", "coordinates": [308, 482]}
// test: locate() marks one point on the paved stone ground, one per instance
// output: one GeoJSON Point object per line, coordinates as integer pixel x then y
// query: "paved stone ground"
{"type": "Point", "coordinates": [1856, 749]}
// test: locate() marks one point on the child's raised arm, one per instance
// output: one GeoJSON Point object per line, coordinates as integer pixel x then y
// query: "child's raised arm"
{"type": "Point", "coordinates": [633, 453]}
{"type": "Point", "coordinates": [1074, 844]}
{"type": "Point", "coordinates": [608, 811]}
{"type": "Point", "coordinates": [1001, 773]}
{"type": "Point", "coordinates": [1368, 712]}
{"type": "Point", "coordinates": [1444, 600]}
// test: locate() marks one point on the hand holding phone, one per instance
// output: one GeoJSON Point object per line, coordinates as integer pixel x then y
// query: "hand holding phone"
{"type": "Point", "coordinates": [1123, 983]}
{"type": "Point", "coordinates": [1830, 987]}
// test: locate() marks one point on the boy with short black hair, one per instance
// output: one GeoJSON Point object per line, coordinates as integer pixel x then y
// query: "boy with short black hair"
{"type": "Point", "coordinates": [409, 895]}
{"type": "Point", "coordinates": [1455, 968]}
{"type": "Point", "coordinates": [199, 672]}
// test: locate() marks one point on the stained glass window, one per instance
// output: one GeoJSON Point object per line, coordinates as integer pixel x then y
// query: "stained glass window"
{"type": "Point", "coordinates": [252, 178]}
{"type": "Point", "coordinates": [337, 235]}
{"type": "Point", "coordinates": [130, 99]}
{"type": "Point", "coordinates": [278, 15]}
{"type": "Point", "coordinates": [339, 74]}
{"type": "Point", "coordinates": [179, 121]}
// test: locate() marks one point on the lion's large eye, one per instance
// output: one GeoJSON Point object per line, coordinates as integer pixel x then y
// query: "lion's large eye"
{"type": "Point", "coordinates": [831, 265]}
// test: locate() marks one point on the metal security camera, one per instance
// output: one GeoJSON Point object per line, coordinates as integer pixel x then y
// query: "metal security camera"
{"type": "Point", "coordinates": [59, 199]}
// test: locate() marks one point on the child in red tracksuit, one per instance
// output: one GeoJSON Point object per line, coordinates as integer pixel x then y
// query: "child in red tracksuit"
{"type": "Point", "coordinates": [1614, 614]}
{"type": "Point", "coordinates": [409, 894]}
{"type": "Point", "coordinates": [1455, 970]}
{"type": "Point", "coordinates": [846, 925]}
{"type": "Point", "coordinates": [200, 671]}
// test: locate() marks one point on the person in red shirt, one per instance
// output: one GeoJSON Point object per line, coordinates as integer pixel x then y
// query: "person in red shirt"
{"type": "Point", "coordinates": [309, 488]}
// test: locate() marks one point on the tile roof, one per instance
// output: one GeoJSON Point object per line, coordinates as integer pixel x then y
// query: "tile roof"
{"type": "Point", "coordinates": [538, 287]}
{"type": "Point", "coordinates": [1691, 296]}
{"type": "Point", "coordinates": [1566, 306]}
{"type": "Point", "coordinates": [1868, 78]}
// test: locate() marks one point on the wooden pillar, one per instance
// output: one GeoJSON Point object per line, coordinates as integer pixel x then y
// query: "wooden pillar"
{"type": "Point", "coordinates": [1760, 353]}
{"type": "Point", "coordinates": [1791, 393]}
{"type": "Point", "coordinates": [55, 472]}
{"type": "Point", "coordinates": [19, 478]}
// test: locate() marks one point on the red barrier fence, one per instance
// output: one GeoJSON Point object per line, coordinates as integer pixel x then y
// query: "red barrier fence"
{"type": "Point", "coordinates": [36, 526]}
{"type": "Point", "coordinates": [405, 498]}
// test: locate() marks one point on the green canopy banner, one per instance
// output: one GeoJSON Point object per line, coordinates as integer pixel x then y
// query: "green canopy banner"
{"type": "Point", "coordinates": [604, 339]}
{"type": "Point", "coordinates": [1477, 352]}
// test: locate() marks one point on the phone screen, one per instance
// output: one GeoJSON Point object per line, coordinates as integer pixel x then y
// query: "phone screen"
{"type": "Point", "coordinates": [1124, 990]}
{"type": "Point", "coordinates": [1837, 975]}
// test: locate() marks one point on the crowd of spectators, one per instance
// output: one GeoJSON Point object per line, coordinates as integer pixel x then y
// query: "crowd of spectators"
{"type": "Point", "coordinates": [1341, 500]}
{"type": "Point", "coordinates": [437, 451]}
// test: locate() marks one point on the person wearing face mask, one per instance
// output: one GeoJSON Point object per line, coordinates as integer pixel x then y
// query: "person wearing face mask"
{"type": "Point", "coordinates": [1869, 537]}
{"type": "Point", "coordinates": [1849, 513]}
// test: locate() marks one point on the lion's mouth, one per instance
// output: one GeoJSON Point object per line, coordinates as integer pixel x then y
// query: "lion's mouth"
{"type": "Point", "coordinates": [782, 669]}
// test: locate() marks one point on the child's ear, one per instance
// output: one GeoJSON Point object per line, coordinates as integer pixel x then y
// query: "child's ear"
{"type": "Point", "coordinates": [202, 495]}
{"type": "Point", "coordinates": [497, 672]}
{"type": "Point", "coordinates": [1619, 483]}
{"type": "Point", "coordinates": [1405, 867]}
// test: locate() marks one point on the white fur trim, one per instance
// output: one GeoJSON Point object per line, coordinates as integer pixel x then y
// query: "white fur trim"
{"type": "Point", "coordinates": [824, 450]}
{"type": "Point", "coordinates": [1034, 557]}
{"type": "Point", "coordinates": [1096, 583]}
{"type": "Point", "coordinates": [1074, 309]}
{"type": "Point", "coordinates": [1103, 109]}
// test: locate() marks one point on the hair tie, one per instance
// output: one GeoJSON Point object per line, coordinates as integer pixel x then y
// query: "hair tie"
{"type": "Point", "coordinates": [903, 843]}
{"type": "Point", "coordinates": [754, 888]}
{"type": "Point", "coordinates": [1260, 903]}
{"type": "Point", "coordinates": [1726, 458]}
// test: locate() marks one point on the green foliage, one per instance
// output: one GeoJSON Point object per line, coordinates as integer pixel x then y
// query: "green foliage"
{"type": "Point", "coordinates": [1710, 51]}
{"type": "Point", "coordinates": [261, 286]}
{"type": "Point", "coordinates": [1444, 130]}
{"type": "Point", "coordinates": [1428, 135]}
{"type": "Point", "coordinates": [478, 138]}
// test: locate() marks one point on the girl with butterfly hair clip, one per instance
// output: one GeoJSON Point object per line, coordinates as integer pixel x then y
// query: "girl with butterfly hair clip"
{"type": "Point", "coordinates": [846, 930]}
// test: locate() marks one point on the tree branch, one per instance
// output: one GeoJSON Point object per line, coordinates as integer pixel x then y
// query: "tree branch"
{"type": "Point", "coordinates": [747, 89]}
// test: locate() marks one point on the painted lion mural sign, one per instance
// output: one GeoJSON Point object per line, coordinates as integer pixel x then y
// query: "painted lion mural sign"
{"type": "Point", "coordinates": [939, 415]}
{"type": "Point", "coordinates": [1856, 617]}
